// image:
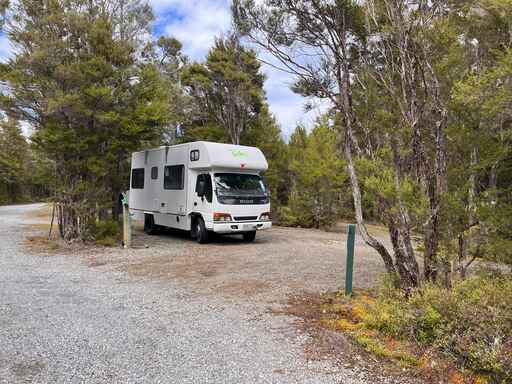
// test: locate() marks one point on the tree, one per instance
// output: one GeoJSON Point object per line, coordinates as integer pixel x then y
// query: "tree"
{"type": "Point", "coordinates": [165, 53]}
{"type": "Point", "coordinates": [265, 134]}
{"type": "Point", "coordinates": [482, 109]}
{"type": "Point", "coordinates": [14, 153]}
{"type": "Point", "coordinates": [77, 76]}
{"type": "Point", "coordinates": [319, 177]}
{"type": "Point", "coordinates": [320, 43]}
{"type": "Point", "coordinates": [4, 5]}
{"type": "Point", "coordinates": [228, 87]}
{"type": "Point", "coordinates": [402, 58]}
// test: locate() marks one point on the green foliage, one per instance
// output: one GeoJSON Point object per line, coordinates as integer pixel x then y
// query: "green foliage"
{"type": "Point", "coordinates": [472, 323]}
{"type": "Point", "coordinates": [105, 232]}
{"type": "Point", "coordinates": [24, 173]}
{"type": "Point", "coordinates": [228, 87]}
{"type": "Point", "coordinates": [78, 78]}
{"type": "Point", "coordinates": [4, 5]}
{"type": "Point", "coordinates": [14, 153]}
{"type": "Point", "coordinates": [318, 177]}
{"type": "Point", "coordinates": [228, 94]}
{"type": "Point", "coordinates": [265, 134]}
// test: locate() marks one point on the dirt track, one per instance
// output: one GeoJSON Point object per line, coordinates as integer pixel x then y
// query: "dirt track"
{"type": "Point", "coordinates": [280, 261]}
{"type": "Point", "coordinates": [170, 310]}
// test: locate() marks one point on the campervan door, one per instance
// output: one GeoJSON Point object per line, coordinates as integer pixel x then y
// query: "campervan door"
{"type": "Point", "coordinates": [172, 190]}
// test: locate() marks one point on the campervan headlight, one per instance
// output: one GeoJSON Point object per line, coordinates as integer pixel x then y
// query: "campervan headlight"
{"type": "Point", "coordinates": [221, 217]}
{"type": "Point", "coordinates": [265, 216]}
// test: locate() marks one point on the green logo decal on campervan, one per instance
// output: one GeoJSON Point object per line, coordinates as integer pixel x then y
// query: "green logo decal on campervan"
{"type": "Point", "coordinates": [238, 153]}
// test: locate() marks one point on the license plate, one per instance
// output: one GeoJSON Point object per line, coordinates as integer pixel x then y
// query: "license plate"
{"type": "Point", "coordinates": [248, 227]}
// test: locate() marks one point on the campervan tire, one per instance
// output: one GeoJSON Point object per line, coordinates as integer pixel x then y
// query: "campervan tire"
{"type": "Point", "coordinates": [202, 235]}
{"type": "Point", "coordinates": [150, 228]}
{"type": "Point", "coordinates": [249, 236]}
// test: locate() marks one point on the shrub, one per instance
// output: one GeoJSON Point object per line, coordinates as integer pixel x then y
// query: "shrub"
{"type": "Point", "coordinates": [472, 323]}
{"type": "Point", "coordinates": [105, 232]}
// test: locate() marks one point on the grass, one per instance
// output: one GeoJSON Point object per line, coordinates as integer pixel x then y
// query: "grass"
{"type": "Point", "coordinates": [43, 213]}
{"type": "Point", "coordinates": [361, 318]}
{"type": "Point", "coordinates": [105, 233]}
{"type": "Point", "coordinates": [41, 243]}
{"type": "Point", "coordinates": [349, 315]}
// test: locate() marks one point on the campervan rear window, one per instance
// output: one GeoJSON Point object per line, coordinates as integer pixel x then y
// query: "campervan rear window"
{"type": "Point", "coordinates": [194, 155]}
{"type": "Point", "coordinates": [138, 178]}
{"type": "Point", "coordinates": [154, 173]}
{"type": "Point", "coordinates": [174, 177]}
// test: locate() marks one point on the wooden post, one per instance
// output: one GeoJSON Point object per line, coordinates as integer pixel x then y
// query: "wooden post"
{"type": "Point", "coordinates": [351, 237]}
{"type": "Point", "coordinates": [127, 227]}
{"type": "Point", "coordinates": [51, 224]}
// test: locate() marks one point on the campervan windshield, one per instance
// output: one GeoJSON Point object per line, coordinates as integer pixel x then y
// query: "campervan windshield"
{"type": "Point", "coordinates": [239, 188]}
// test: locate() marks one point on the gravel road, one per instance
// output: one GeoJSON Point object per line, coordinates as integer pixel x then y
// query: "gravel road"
{"type": "Point", "coordinates": [168, 310]}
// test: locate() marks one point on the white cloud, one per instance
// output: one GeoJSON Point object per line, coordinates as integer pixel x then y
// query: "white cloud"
{"type": "Point", "coordinates": [26, 128]}
{"type": "Point", "coordinates": [288, 107]}
{"type": "Point", "coordinates": [198, 32]}
{"type": "Point", "coordinates": [196, 23]}
{"type": "Point", "coordinates": [6, 48]}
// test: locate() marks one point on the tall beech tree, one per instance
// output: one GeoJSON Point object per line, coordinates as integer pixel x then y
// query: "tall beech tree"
{"type": "Point", "coordinates": [318, 175]}
{"type": "Point", "coordinates": [77, 77]}
{"type": "Point", "coordinates": [228, 86]}
{"type": "Point", "coordinates": [401, 57]}
{"type": "Point", "coordinates": [14, 156]}
{"type": "Point", "coordinates": [319, 42]}
{"type": "Point", "coordinates": [482, 116]}
{"type": "Point", "coordinates": [422, 93]}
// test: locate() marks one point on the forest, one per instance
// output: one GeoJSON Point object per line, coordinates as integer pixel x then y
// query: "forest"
{"type": "Point", "coordinates": [417, 136]}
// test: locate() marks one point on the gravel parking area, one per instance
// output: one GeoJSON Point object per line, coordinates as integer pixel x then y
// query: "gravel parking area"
{"type": "Point", "coordinates": [168, 310]}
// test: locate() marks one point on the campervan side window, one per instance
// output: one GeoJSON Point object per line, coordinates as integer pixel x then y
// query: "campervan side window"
{"type": "Point", "coordinates": [174, 177]}
{"type": "Point", "coordinates": [154, 173]}
{"type": "Point", "coordinates": [208, 180]}
{"type": "Point", "coordinates": [138, 178]}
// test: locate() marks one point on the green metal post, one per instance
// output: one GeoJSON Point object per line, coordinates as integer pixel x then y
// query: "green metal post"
{"type": "Point", "coordinates": [351, 237]}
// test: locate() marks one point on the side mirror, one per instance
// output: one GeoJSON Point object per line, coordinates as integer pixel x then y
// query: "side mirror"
{"type": "Point", "coordinates": [201, 188]}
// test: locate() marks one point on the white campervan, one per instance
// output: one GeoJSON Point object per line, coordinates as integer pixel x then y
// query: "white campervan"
{"type": "Point", "coordinates": [201, 187]}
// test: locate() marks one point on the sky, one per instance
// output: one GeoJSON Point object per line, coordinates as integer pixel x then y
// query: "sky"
{"type": "Point", "coordinates": [196, 23]}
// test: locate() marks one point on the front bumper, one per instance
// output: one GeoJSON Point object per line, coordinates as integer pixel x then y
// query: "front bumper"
{"type": "Point", "coordinates": [239, 227]}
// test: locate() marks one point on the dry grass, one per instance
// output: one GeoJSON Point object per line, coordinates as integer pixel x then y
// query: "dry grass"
{"type": "Point", "coordinates": [328, 323]}
{"type": "Point", "coordinates": [374, 229]}
{"type": "Point", "coordinates": [43, 227]}
{"type": "Point", "coordinates": [41, 244]}
{"type": "Point", "coordinates": [43, 213]}
{"type": "Point", "coordinates": [340, 314]}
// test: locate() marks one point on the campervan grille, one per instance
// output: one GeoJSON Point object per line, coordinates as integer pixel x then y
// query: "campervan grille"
{"type": "Point", "coordinates": [245, 218]}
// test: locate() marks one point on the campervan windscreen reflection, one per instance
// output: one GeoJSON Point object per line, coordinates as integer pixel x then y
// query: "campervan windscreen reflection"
{"type": "Point", "coordinates": [235, 188]}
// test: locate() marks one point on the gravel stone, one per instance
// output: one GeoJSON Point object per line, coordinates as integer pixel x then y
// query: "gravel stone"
{"type": "Point", "coordinates": [176, 312]}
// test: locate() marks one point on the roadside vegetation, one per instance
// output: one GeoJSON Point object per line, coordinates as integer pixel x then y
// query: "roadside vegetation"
{"type": "Point", "coordinates": [461, 335]}
{"type": "Point", "coordinates": [417, 135]}
{"type": "Point", "coordinates": [469, 324]}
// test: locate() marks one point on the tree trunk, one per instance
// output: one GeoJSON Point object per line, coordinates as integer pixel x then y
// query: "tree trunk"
{"type": "Point", "coordinates": [462, 256]}
{"type": "Point", "coordinates": [405, 259]}
{"type": "Point", "coordinates": [407, 269]}
{"type": "Point", "coordinates": [345, 101]}
{"type": "Point", "coordinates": [436, 188]}
{"type": "Point", "coordinates": [356, 194]}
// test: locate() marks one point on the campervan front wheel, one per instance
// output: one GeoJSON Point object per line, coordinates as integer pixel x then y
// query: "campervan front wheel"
{"type": "Point", "coordinates": [202, 235]}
